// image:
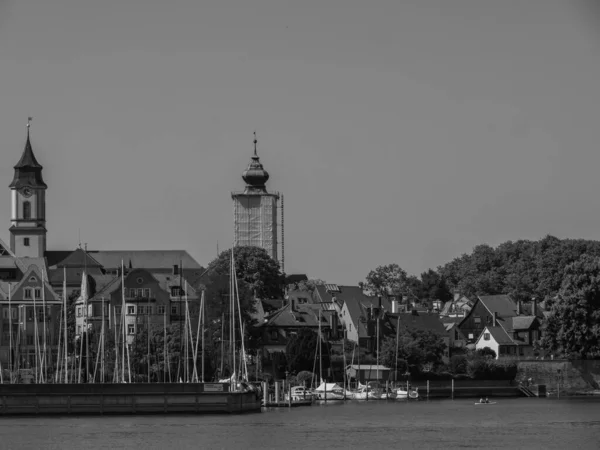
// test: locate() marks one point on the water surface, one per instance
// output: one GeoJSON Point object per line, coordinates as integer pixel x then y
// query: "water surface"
{"type": "Point", "coordinates": [511, 423]}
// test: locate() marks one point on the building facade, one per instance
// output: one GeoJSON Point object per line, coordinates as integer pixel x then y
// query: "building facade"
{"type": "Point", "coordinates": [255, 210]}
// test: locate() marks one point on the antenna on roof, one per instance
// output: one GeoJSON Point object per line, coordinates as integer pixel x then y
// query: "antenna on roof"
{"type": "Point", "coordinates": [79, 233]}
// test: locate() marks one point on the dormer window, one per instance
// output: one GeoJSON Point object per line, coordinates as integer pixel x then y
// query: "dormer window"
{"type": "Point", "coordinates": [38, 293]}
{"type": "Point", "coordinates": [176, 291]}
{"type": "Point", "coordinates": [27, 293]}
{"type": "Point", "coordinates": [26, 210]}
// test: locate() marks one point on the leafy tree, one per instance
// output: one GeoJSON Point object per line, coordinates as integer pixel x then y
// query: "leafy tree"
{"type": "Point", "coordinates": [523, 268]}
{"type": "Point", "coordinates": [388, 280]}
{"type": "Point", "coordinates": [573, 327]}
{"type": "Point", "coordinates": [486, 352]}
{"type": "Point", "coordinates": [415, 348]}
{"type": "Point", "coordinates": [253, 266]}
{"type": "Point", "coordinates": [306, 285]}
{"type": "Point", "coordinates": [300, 352]}
{"type": "Point", "coordinates": [434, 286]}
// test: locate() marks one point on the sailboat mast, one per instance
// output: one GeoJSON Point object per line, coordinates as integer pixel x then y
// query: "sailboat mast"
{"type": "Point", "coordinates": [35, 338]}
{"type": "Point", "coordinates": [65, 321]}
{"type": "Point", "coordinates": [232, 314]}
{"type": "Point", "coordinates": [87, 319]}
{"type": "Point", "coordinates": [202, 316]}
{"type": "Point", "coordinates": [45, 358]}
{"type": "Point", "coordinates": [165, 346]}
{"type": "Point", "coordinates": [377, 323]}
{"type": "Point", "coordinates": [397, 343]}
{"type": "Point", "coordinates": [319, 348]}
{"type": "Point", "coordinates": [102, 340]}
{"type": "Point", "coordinates": [148, 334]}
{"type": "Point", "coordinates": [10, 331]}
{"type": "Point", "coordinates": [237, 299]}
{"type": "Point", "coordinates": [123, 321]}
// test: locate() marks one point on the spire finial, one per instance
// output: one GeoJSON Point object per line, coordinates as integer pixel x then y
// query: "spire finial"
{"type": "Point", "coordinates": [29, 119]}
{"type": "Point", "coordinates": [255, 142]}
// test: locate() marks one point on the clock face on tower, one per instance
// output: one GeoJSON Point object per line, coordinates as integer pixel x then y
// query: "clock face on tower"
{"type": "Point", "coordinates": [26, 192]}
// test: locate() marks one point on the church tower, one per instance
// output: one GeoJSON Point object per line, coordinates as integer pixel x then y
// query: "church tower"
{"type": "Point", "coordinates": [28, 212]}
{"type": "Point", "coordinates": [255, 210]}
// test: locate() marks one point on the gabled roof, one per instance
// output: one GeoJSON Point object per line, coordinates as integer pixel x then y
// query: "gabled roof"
{"type": "Point", "coordinates": [499, 335]}
{"type": "Point", "coordinates": [53, 257]}
{"type": "Point", "coordinates": [415, 320]}
{"type": "Point", "coordinates": [522, 322]}
{"type": "Point", "coordinates": [145, 259]}
{"type": "Point", "coordinates": [5, 249]}
{"type": "Point", "coordinates": [167, 281]}
{"type": "Point", "coordinates": [79, 258]}
{"type": "Point", "coordinates": [501, 304]}
{"type": "Point", "coordinates": [358, 304]}
{"type": "Point", "coordinates": [33, 270]}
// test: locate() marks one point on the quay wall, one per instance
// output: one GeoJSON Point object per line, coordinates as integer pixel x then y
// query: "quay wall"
{"type": "Point", "coordinates": [467, 389]}
{"type": "Point", "coordinates": [139, 398]}
{"type": "Point", "coordinates": [570, 377]}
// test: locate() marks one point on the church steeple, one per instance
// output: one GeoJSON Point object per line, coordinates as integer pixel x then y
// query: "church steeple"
{"type": "Point", "coordinates": [28, 171]}
{"type": "Point", "coordinates": [255, 175]}
{"type": "Point", "coordinates": [28, 195]}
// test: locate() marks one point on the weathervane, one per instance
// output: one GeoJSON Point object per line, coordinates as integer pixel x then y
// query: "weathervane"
{"type": "Point", "coordinates": [29, 119]}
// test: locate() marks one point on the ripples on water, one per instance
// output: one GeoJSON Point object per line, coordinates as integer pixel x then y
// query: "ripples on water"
{"type": "Point", "coordinates": [511, 423]}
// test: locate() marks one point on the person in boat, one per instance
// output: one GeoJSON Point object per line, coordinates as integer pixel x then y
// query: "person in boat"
{"type": "Point", "coordinates": [481, 400]}
{"type": "Point", "coordinates": [486, 400]}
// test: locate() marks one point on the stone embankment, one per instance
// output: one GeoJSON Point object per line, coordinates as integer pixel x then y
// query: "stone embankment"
{"type": "Point", "coordinates": [562, 377]}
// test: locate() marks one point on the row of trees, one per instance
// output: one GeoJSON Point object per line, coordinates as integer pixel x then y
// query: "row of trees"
{"type": "Point", "coordinates": [564, 273]}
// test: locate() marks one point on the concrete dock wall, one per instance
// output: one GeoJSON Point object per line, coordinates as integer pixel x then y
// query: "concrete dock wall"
{"type": "Point", "coordinates": [151, 398]}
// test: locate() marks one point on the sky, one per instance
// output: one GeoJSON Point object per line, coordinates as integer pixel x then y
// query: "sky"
{"type": "Point", "coordinates": [399, 131]}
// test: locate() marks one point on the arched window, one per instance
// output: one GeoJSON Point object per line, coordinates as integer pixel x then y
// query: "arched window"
{"type": "Point", "coordinates": [26, 210]}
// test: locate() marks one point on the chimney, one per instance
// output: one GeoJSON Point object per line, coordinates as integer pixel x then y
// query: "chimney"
{"type": "Point", "coordinates": [534, 307]}
{"type": "Point", "coordinates": [293, 304]}
{"type": "Point", "coordinates": [175, 269]}
{"type": "Point", "coordinates": [394, 306]}
{"type": "Point", "coordinates": [495, 320]}
{"type": "Point", "coordinates": [379, 300]}
{"type": "Point", "coordinates": [519, 307]}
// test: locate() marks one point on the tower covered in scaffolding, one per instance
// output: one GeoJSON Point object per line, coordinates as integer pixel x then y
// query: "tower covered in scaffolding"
{"type": "Point", "coordinates": [255, 210]}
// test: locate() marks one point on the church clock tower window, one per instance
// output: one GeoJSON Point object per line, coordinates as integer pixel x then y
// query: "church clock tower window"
{"type": "Point", "coordinates": [26, 210]}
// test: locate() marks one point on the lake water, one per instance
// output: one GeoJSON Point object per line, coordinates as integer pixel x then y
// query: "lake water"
{"type": "Point", "coordinates": [530, 423]}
